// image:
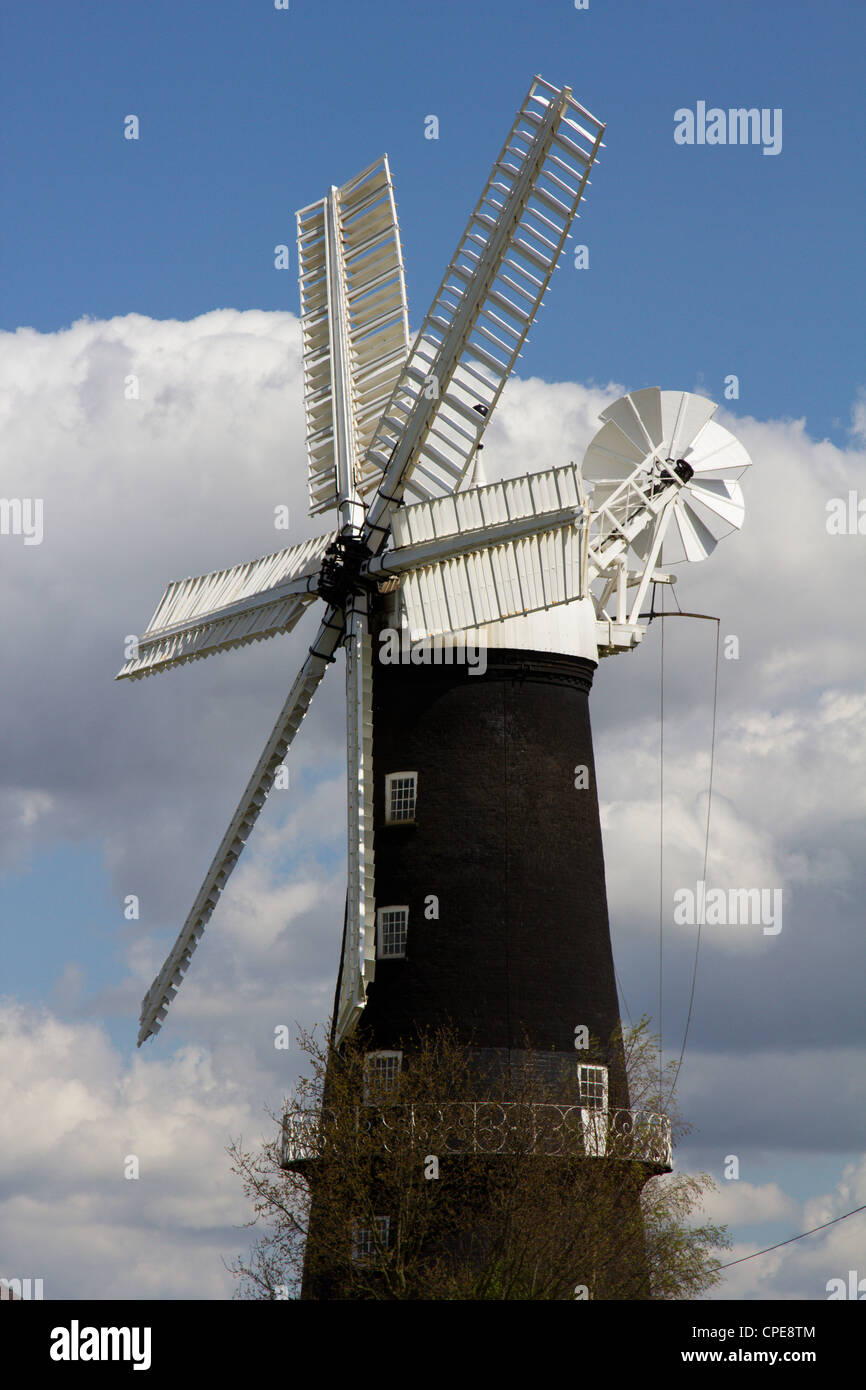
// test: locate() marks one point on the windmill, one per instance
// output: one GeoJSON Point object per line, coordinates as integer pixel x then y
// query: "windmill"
{"type": "Point", "coordinates": [546, 572]}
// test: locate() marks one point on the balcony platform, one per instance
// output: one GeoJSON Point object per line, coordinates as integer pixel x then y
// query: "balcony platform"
{"type": "Point", "coordinates": [497, 1127]}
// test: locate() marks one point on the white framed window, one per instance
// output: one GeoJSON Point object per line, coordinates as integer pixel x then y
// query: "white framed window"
{"type": "Point", "coordinates": [381, 1070]}
{"type": "Point", "coordinates": [401, 795]}
{"type": "Point", "coordinates": [392, 926]}
{"type": "Point", "coordinates": [593, 1113]}
{"type": "Point", "coordinates": [366, 1242]}
{"type": "Point", "coordinates": [593, 1087]}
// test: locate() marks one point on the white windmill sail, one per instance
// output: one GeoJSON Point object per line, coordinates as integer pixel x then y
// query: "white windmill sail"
{"type": "Point", "coordinates": [167, 982]}
{"type": "Point", "coordinates": [485, 306]}
{"type": "Point", "coordinates": [486, 586]}
{"type": "Point", "coordinates": [490, 553]}
{"type": "Point", "coordinates": [354, 324]}
{"type": "Point", "coordinates": [492, 504]}
{"type": "Point", "coordinates": [358, 966]}
{"type": "Point", "coordinates": [228, 608]}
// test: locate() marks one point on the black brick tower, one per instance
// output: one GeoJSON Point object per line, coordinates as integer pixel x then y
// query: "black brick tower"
{"type": "Point", "coordinates": [506, 843]}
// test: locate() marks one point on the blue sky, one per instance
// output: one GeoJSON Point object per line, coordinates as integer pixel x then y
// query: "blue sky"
{"type": "Point", "coordinates": [721, 256]}
{"type": "Point", "coordinates": [705, 261]}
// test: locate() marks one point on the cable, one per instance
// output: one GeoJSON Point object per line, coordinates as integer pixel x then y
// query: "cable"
{"type": "Point", "coordinates": [791, 1239]}
{"type": "Point", "coordinates": [650, 616]}
{"type": "Point", "coordinates": [706, 858]}
{"type": "Point", "coordinates": [661, 827]}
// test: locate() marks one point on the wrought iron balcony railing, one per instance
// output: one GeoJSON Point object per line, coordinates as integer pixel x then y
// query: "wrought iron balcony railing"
{"type": "Point", "coordinates": [494, 1127]}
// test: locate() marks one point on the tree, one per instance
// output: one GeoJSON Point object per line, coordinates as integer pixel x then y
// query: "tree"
{"type": "Point", "coordinates": [444, 1182]}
